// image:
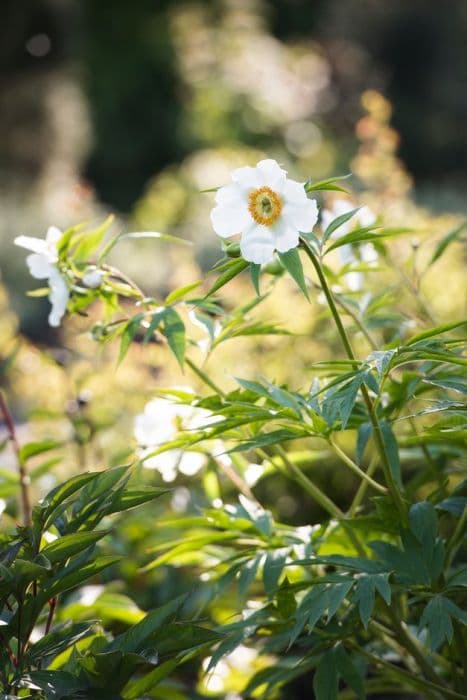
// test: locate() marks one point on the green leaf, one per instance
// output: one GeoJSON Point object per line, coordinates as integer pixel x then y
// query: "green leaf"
{"type": "Point", "coordinates": [255, 272]}
{"type": "Point", "coordinates": [338, 222]}
{"type": "Point", "coordinates": [68, 545]}
{"type": "Point", "coordinates": [293, 264]}
{"type": "Point", "coordinates": [437, 618]}
{"type": "Point", "coordinates": [328, 184]}
{"type": "Point", "coordinates": [156, 319]}
{"type": "Point", "coordinates": [60, 493]}
{"type": "Point", "coordinates": [129, 331]}
{"type": "Point", "coordinates": [233, 268]}
{"type": "Point", "coordinates": [62, 637]}
{"type": "Point", "coordinates": [392, 451]}
{"type": "Point", "coordinates": [272, 568]}
{"type": "Point", "coordinates": [248, 574]}
{"type": "Point", "coordinates": [326, 678]}
{"type": "Point", "coordinates": [365, 589]}
{"type": "Point", "coordinates": [349, 671]}
{"type": "Point", "coordinates": [424, 523]}
{"type": "Point", "coordinates": [174, 331]}
{"type": "Point", "coordinates": [56, 684]}
{"type": "Point", "coordinates": [65, 580]}
{"type": "Point", "coordinates": [155, 234]}
{"type": "Point", "coordinates": [130, 498]}
{"type": "Point", "coordinates": [87, 242]}
{"type": "Point", "coordinates": [431, 332]}
{"type": "Point", "coordinates": [138, 689]}
{"type": "Point", "coordinates": [365, 235]}
{"type": "Point", "coordinates": [133, 639]}
{"type": "Point", "coordinates": [179, 293]}
{"type": "Point", "coordinates": [446, 241]}
{"type": "Point", "coordinates": [31, 449]}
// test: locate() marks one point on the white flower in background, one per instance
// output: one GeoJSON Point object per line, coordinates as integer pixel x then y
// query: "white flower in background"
{"type": "Point", "coordinates": [160, 422]}
{"type": "Point", "coordinates": [362, 218]}
{"type": "Point", "coordinates": [43, 264]}
{"type": "Point", "coordinates": [267, 208]}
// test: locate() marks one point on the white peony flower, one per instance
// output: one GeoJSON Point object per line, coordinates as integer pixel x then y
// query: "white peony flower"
{"type": "Point", "coordinates": [43, 264]}
{"type": "Point", "coordinates": [267, 208]}
{"type": "Point", "coordinates": [160, 422]}
{"type": "Point", "coordinates": [362, 218]}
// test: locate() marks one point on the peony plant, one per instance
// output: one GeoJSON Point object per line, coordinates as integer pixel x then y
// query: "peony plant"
{"type": "Point", "coordinates": [365, 600]}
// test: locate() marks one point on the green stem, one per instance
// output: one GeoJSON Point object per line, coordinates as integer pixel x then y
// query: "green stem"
{"type": "Point", "coordinates": [204, 377]}
{"type": "Point", "coordinates": [358, 322]}
{"type": "Point", "coordinates": [315, 492]}
{"type": "Point", "coordinates": [24, 480]}
{"type": "Point", "coordinates": [362, 489]}
{"type": "Point", "coordinates": [411, 645]}
{"type": "Point", "coordinates": [356, 469]}
{"type": "Point", "coordinates": [392, 486]}
{"type": "Point", "coordinates": [456, 539]}
{"type": "Point", "coordinates": [432, 689]}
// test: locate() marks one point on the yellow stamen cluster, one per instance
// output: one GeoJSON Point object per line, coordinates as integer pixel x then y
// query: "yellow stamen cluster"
{"type": "Point", "coordinates": [264, 205]}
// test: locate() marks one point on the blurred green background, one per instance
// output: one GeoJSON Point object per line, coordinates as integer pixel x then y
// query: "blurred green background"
{"type": "Point", "coordinates": [135, 106]}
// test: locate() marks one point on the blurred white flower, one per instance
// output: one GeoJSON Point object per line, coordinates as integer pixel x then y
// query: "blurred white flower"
{"type": "Point", "coordinates": [267, 208]}
{"type": "Point", "coordinates": [362, 218]}
{"type": "Point", "coordinates": [160, 422]}
{"type": "Point", "coordinates": [92, 278]}
{"type": "Point", "coordinates": [43, 264]}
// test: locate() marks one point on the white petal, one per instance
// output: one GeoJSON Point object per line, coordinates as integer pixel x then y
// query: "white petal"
{"type": "Point", "coordinates": [286, 237]}
{"type": "Point", "coordinates": [191, 463]}
{"type": "Point", "coordinates": [294, 192]}
{"type": "Point", "coordinates": [366, 216]}
{"type": "Point", "coordinates": [37, 245]}
{"type": "Point", "coordinates": [257, 245]}
{"type": "Point", "coordinates": [229, 220]}
{"type": "Point", "coordinates": [156, 424]}
{"type": "Point", "coordinates": [302, 217]}
{"type": "Point", "coordinates": [231, 195]}
{"type": "Point", "coordinates": [39, 266]}
{"type": "Point", "coordinates": [271, 175]}
{"type": "Point", "coordinates": [53, 235]}
{"type": "Point", "coordinates": [247, 178]}
{"type": "Point", "coordinates": [346, 254]}
{"type": "Point", "coordinates": [354, 281]}
{"type": "Point", "coordinates": [58, 297]}
{"type": "Point", "coordinates": [368, 253]}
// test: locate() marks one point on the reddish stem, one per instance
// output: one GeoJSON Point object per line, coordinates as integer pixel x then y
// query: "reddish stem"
{"type": "Point", "coordinates": [23, 477]}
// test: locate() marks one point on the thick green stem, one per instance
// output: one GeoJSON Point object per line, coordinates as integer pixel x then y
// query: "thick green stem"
{"type": "Point", "coordinates": [324, 501]}
{"type": "Point", "coordinates": [356, 469]}
{"type": "Point", "coordinates": [392, 486]}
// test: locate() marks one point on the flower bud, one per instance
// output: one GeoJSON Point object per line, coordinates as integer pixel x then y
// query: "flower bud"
{"type": "Point", "coordinates": [92, 278]}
